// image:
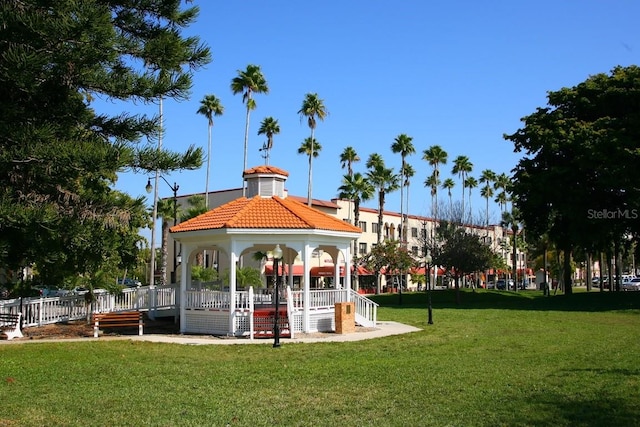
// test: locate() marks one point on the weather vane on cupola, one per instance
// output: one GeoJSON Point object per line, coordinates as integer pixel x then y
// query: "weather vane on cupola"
{"type": "Point", "coordinates": [268, 127]}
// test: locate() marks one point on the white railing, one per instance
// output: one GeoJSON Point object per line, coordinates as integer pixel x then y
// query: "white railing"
{"type": "Point", "coordinates": [366, 310]}
{"type": "Point", "coordinates": [207, 299]}
{"type": "Point", "coordinates": [42, 311]}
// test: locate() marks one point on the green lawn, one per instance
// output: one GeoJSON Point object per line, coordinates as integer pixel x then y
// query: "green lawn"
{"type": "Point", "coordinates": [498, 359]}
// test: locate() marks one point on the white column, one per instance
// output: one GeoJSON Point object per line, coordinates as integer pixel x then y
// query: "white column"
{"type": "Point", "coordinates": [306, 293]}
{"type": "Point", "coordinates": [185, 275]}
{"type": "Point", "coordinates": [233, 259]}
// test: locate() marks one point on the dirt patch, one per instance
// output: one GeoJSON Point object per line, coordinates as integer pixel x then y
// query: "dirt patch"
{"type": "Point", "coordinates": [81, 329]}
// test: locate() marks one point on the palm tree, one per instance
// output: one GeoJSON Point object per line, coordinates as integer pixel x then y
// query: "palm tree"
{"type": "Point", "coordinates": [432, 182]}
{"type": "Point", "coordinates": [195, 206]}
{"type": "Point", "coordinates": [402, 145]}
{"type": "Point", "coordinates": [435, 156]}
{"type": "Point", "coordinates": [487, 192]}
{"type": "Point", "coordinates": [511, 220]}
{"type": "Point", "coordinates": [268, 127]}
{"type": "Point", "coordinates": [248, 82]}
{"type": "Point", "coordinates": [409, 172]}
{"type": "Point", "coordinates": [312, 108]}
{"type": "Point", "coordinates": [462, 167]}
{"type": "Point", "coordinates": [166, 209]}
{"type": "Point", "coordinates": [348, 157]}
{"type": "Point", "coordinates": [448, 184]}
{"type": "Point", "coordinates": [209, 106]}
{"type": "Point", "coordinates": [487, 178]}
{"type": "Point", "coordinates": [470, 183]}
{"type": "Point", "coordinates": [502, 183]}
{"type": "Point", "coordinates": [312, 150]}
{"type": "Point", "coordinates": [385, 181]}
{"type": "Point", "coordinates": [357, 188]}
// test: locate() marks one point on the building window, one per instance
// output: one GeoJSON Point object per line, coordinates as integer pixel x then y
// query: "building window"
{"type": "Point", "coordinates": [362, 248]}
{"type": "Point", "coordinates": [363, 226]}
{"type": "Point", "coordinates": [374, 227]}
{"type": "Point", "coordinates": [414, 250]}
{"type": "Point", "coordinates": [414, 232]}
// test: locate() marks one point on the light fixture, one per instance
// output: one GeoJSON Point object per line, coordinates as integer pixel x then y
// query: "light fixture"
{"type": "Point", "coordinates": [148, 187]}
{"type": "Point", "coordinates": [427, 267]}
{"type": "Point", "coordinates": [179, 258]}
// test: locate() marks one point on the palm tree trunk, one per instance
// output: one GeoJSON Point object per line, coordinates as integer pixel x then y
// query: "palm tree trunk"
{"type": "Point", "coordinates": [313, 146]}
{"type": "Point", "coordinates": [163, 261]}
{"type": "Point", "coordinates": [206, 187]}
{"type": "Point", "coordinates": [246, 145]}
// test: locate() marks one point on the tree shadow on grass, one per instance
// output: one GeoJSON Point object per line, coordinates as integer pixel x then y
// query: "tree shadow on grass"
{"type": "Point", "coordinates": [522, 300]}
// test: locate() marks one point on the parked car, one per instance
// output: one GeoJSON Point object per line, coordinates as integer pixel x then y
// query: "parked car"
{"type": "Point", "coordinates": [631, 284]}
{"type": "Point", "coordinates": [129, 282]}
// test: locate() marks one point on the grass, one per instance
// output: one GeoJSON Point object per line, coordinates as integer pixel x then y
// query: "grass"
{"type": "Point", "coordinates": [498, 359]}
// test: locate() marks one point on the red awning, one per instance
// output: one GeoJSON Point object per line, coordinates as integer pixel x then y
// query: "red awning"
{"type": "Point", "coordinates": [297, 270]}
{"type": "Point", "coordinates": [362, 271]}
{"type": "Point", "coordinates": [325, 271]}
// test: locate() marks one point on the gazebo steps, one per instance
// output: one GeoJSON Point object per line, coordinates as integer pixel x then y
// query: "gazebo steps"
{"type": "Point", "coordinates": [263, 321]}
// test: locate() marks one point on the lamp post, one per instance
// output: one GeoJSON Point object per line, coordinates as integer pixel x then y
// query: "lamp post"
{"type": "Point", "coordinates": [277, 255]}
{"type": "Point", "coordinates": [175, 187]}
{"type": "Point", "coordinates": [427, 267]}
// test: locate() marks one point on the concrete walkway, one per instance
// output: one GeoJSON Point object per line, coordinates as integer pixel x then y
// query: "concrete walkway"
{"type": "Point", "coordinates": [382, 329]}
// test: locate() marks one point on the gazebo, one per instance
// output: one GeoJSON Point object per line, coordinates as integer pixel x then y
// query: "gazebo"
{"type": "Point", "coordinates": [259, 222]}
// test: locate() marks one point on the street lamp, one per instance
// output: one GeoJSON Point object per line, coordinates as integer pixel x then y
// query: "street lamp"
{"type": "Point", "coordinates": [175, 187]}
{"type": "Point", "coordinates": [277, 256]}
{"type": "Point", "coordinates": [427, 267]}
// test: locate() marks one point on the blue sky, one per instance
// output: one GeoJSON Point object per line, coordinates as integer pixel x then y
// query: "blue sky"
{"type": "Point", "coordinates": [459, 74]}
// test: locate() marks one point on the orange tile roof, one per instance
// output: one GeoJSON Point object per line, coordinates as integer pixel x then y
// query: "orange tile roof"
{"type": "Point", "coordinates": [259, 212]}
{"type": "Point", "coordinates": [265, 169]}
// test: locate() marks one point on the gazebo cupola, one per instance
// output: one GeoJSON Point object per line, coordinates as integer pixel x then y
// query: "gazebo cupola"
{"type": "Point", "coordinates": [265, 181]}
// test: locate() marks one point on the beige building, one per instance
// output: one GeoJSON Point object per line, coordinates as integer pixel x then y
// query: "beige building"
{"type": "Point", "coordinates": [321, 274]}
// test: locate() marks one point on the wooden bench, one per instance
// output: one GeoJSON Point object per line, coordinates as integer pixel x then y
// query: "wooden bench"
{"type": "Point", "coordinates": [117, 319]}
{"type": "Point", "coordinates": [10, 325]}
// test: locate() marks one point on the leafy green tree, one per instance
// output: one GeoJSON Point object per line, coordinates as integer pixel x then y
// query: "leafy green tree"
{"type": "Point", "coordinates": [245, 276]}
{"type": "Point", "coordinates": [210, 106]}
{"type": "Point", "coordinates": [460, 252]}
{"type": "Point", "coordinates": [269, 127]}
{"type": "Point", "coordinates": [247, 83]}
{"type": "Point", "coordinates": [59, 157]}
{"type": "Point", "coordinates": [574, 180]}
{"type": "Point", "coordinates": [389, 256]}
{"type": "Point", "coordinates": [313, 109]}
